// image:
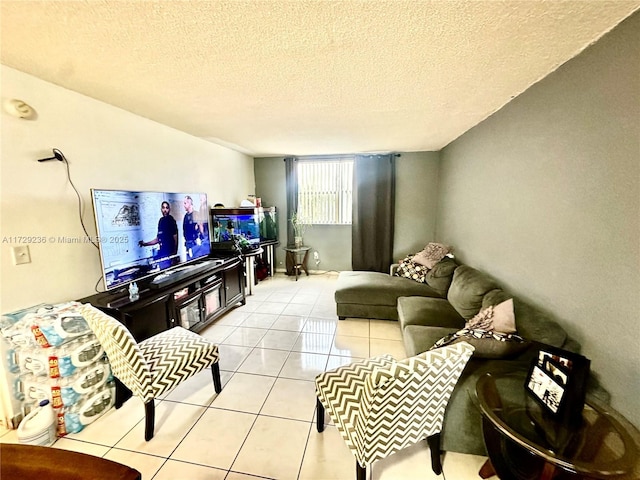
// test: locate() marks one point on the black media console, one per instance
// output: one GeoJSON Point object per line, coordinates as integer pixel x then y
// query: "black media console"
{"type": "Point", "coordinates": [173, 276]}
{"type": "Point", "coordinates": [192, 296]}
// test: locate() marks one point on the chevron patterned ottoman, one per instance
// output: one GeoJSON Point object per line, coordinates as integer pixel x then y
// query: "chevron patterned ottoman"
{"type": "Point", "coordinates": [381, 405]}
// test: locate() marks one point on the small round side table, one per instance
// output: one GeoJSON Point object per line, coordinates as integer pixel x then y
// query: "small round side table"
{"type": "Point", "coordinates": [524, 444]}
{"type": "Point", "coordinates": [297, 260]}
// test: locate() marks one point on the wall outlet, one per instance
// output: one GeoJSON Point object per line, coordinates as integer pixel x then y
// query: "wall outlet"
{"type": "Point", "coordinates": [316, 256]}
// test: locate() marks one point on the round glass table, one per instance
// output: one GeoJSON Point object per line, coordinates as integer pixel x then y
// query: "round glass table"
{"type": "Point", "coordinates": [524, 443]}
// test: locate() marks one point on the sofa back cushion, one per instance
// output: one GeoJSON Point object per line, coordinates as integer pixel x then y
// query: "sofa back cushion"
{"type": "Point", "coordinates": [533, 323]}
{"type": "Point", "coordinates": [440, 276]}
{"type": "Point", "coordinates": [495, 297]}
{"type": "Point", "coordinates": [467, 290]}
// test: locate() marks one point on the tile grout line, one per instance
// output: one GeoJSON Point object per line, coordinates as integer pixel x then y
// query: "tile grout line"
{"type": "Point", "coordinates": [206, 407]}
{"type": "Point", "coordinates": [257, 415]}
{"type": "Point", "coordinates": [320, 295]}
{"type": "Point", "coordinates": [278, 376]}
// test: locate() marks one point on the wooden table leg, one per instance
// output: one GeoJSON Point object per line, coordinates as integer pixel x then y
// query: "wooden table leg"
{"type": "Point", "coordinates": [290, 263]}
{"type": "Point", "coordinates": [487, 470]}
{"type": "Point", "coordinates": [548, 471]}
{"type": "Point", "coordinates": [304, 262]}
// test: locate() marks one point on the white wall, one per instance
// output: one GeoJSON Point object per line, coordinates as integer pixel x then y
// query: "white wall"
{"type": "Point", "coordinates": [107, 148]}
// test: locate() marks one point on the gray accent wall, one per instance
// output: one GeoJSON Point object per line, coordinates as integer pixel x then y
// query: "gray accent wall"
{"type": "Point", "coordinates": [416, 200]}
{"type": "Point", "coordinates": [332, 242]}
{"type": "Point", "coordinates": [545, 196]}
{"type": "Point", "coordinates": [271, 188]}
{"type": "Point", "coordinates": [416, 197]}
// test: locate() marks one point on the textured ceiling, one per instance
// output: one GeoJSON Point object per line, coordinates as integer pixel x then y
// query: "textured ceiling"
{"type": "Point", "coordinates": [302, 76]}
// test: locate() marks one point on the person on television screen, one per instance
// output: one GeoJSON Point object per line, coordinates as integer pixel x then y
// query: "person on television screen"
{"type": "Point", "coordinates": [167, 238]}
{"type": "Point", "coordinates": [192, 230]}
{"type": "Point", "coordinates": [203, 221]}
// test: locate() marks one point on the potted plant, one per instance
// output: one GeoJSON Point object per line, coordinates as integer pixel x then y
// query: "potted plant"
{"type": "Point", "coordinates": [299, 227]}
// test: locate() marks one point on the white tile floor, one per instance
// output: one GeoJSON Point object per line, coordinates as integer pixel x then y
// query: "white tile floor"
{"type": "Point", "coordinates": [262, 424]}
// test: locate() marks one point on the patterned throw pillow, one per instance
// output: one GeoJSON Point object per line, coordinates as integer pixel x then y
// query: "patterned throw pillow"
{"type": "Point", "coordinates": [431, 254]}
{"type": "Point", "coordinates": [492, 332]}
{"type": "Point", "coordinates": [498, 318]}
{"type": "Point", "coordinates": [483, 320]}
{"type": "Point", "coordinates": [407, 268]}
{"type": "Point", "coordinates": [486, 344]}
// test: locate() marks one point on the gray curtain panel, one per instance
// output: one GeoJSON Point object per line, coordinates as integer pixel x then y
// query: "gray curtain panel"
{"type": "Point", "coordinates": [291, 178]}
{"type": "Point", "coordinates": [373, 212]}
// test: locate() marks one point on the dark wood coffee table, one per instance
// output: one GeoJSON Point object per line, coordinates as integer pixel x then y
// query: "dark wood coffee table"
{"type": "Point", "coordinates": [26, 462]}
{"type": "Point", "coordinates": [524, 444]}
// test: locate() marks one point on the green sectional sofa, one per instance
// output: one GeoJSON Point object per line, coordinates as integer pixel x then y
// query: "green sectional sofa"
{"type": "Point", "coordinates": [375, 294]}
{"type": "Point", "coordinates": [429, 311]}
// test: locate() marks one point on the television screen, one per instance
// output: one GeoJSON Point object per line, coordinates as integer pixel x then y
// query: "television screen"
{"type": "Point", "coordinates": [143, 233]}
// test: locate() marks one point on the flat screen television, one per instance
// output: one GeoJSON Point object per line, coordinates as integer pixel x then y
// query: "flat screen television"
{"type": "Point", "coordinates": [144, 233]}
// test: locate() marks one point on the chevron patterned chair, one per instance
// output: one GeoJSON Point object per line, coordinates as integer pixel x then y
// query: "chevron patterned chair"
{"type": "Point", "coordinates": [382, 405]}
{"type": "Point", "coordinates": [154, 366]}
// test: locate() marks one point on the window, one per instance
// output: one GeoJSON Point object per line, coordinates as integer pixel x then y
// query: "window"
{"type": "Point", "coordinates": [324, 191]}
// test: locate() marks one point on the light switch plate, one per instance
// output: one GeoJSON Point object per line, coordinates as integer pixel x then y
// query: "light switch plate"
{"type": "Point", "coordinates": [21, 255]}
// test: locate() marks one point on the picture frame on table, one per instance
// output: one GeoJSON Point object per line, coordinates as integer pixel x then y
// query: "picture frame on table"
{"type": "Point", "coordinates": [557, 382]}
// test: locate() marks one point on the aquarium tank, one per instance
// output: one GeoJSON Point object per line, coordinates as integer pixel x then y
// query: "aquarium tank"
{"type": "Point", "coordinates": [235, 226]}
{"type": "Point", "coordinates": [269, 224]}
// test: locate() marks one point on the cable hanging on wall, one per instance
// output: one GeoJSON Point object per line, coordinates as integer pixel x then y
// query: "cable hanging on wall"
{"type": "Point", "coordinates": [58, 155]}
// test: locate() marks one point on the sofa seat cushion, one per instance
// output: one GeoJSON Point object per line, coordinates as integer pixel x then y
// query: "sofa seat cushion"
{"type": "Point", "coordinates": [418, 338]}
{"type": "Point", "coordinates": [375, 288]}
{"type": "Point", "coordinates": [467, 291]}
{"type": "Point", "coordinates": [436, 312]}
{"type": "Point", "coordinates": [462, 431]}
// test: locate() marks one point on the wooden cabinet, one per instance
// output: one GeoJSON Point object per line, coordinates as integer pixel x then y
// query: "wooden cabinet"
{"type": "Point", "coordinates": [146, 318]}
{"type": "Point", "coordinates": [197, 304]}
{"type": "Point", "coordinates": [192, 301]}
{"type": "Point", "coordinates": [233, 280]}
